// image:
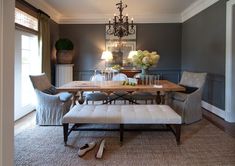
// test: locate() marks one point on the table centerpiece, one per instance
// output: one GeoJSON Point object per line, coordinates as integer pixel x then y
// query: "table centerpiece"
{"type": "Point", "coordinates": [145, 59]}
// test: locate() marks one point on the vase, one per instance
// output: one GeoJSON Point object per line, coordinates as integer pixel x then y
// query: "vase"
{"type": "Point", "coordinates": [64, 56]}
{"type": "Point", "coordinates": [144, 71]}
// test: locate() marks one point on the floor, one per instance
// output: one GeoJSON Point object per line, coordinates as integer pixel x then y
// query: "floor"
{"type": "Point", "coordinates": [227, 127]}
{"type": "Point", "coordinates": [29, 121]}
{"type": "Point", "coordinates": [26, 122]}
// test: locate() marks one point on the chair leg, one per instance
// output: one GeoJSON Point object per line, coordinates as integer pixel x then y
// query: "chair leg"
{"type": "Point", "coordinates": [146, 101]}
{"type": "Point", "coordinates": [66, 128]}
{"type": "Point", "coordinates": [121, 132]}
{"type": "Point", "coordinates": [178, 133]}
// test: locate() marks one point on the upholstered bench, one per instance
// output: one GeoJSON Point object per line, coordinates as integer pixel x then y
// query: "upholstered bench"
{"type": "Point", "coordinates": [122, 114]}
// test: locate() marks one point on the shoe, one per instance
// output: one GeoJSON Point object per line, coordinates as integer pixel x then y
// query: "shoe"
{"type": "Point", "coordinates": [84, 149]}
{"type": "Point", "coordinates": [100, 152]}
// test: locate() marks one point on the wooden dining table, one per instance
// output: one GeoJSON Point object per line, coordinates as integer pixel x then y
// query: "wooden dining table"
{"type": "Point", "coordinates": [109, 87]}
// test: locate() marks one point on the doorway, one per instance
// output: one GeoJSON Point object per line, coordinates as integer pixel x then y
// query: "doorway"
{"type": "Point", "coordinates": [27, 62]}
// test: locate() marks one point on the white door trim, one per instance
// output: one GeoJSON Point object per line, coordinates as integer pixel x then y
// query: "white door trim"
{"type": "Point", "coordinates": [1, 78]}
{"type": "Point", "coordinates": [229, 110]}
{"type": "Point", "coordinates": [7, 27]}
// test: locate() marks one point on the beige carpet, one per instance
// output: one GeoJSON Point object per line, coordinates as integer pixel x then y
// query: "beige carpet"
{"type": "Point", "coordinates": [202, 144]}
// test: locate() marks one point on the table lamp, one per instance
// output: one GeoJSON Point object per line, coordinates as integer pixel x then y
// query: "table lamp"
{"type": "Point", "coordinates": [107, 56]}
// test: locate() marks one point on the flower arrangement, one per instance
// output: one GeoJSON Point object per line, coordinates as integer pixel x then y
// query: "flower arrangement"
{"type": "Point", "coordinates": [145, 59]}
{"type": "Point", "coordinates": [116, 67]}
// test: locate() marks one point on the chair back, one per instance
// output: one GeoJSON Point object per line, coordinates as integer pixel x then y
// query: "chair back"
{"type": "Point", "coordinates": [40, 82]}
{"type": "Point", "coordinates": [120, 77]}
{"type": "Point", "coordinates": [98, 77]}
{"type": "Point", "coordinates": [193, 79]}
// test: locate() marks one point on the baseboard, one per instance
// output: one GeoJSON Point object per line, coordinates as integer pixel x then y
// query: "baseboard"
{"type": "Point", "coordinates": [219, 112]}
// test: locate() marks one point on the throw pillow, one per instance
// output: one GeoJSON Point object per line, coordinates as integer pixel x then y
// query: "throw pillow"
{"type": "Point", "coordinates": [50, 91]}
{"type": "Point", "coordinates": [188, 89]}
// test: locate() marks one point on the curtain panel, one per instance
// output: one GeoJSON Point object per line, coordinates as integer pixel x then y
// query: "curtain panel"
{"type": "Point", "coordinates": [44, 43]}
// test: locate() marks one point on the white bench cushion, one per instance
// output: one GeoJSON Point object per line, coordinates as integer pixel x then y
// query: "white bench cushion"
{"type": "Point", "coordinates": [122, 114]}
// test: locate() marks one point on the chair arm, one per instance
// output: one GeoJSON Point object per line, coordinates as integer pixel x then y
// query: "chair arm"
{"type": "Point", "coordinates": [47, 99]}
{"type": "Point", "coordinates": [197, 95]}
{"type": "Point", "coordinates": [192, 100]}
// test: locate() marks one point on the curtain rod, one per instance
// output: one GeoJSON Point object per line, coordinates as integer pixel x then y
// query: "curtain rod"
{"type": "Point", "coordinates": [32, 7]}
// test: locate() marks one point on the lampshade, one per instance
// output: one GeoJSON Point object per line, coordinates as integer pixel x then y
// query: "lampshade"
{"type": "Point", "coordinates": [107, 55]}
{"type": "Point", "coordinates": [131, 54]}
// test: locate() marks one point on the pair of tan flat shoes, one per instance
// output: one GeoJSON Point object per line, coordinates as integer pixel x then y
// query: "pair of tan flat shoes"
{"type": "Point", "coordinates": [89, 146]}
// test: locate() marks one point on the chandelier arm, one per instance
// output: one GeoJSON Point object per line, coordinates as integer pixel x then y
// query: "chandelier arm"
{"type": "Point", "coordinates": [121, 26]}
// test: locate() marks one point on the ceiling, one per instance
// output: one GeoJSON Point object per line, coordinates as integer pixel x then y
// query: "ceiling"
{"type": "Point", "coordinates": [99, 11]}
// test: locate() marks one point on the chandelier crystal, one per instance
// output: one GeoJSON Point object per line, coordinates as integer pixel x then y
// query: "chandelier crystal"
{"type": "Point", "coordinates": [120, 26]}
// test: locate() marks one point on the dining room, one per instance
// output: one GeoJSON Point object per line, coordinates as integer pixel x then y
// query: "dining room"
{"type": "Point", "coordinates": [117, 82]}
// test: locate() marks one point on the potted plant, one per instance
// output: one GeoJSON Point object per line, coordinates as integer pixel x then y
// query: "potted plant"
{"type": "Point", "coordinates": [64, 51]}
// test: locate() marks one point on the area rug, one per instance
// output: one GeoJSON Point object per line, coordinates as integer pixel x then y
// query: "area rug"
{"type": "Point", "coordinates": [201, 144]}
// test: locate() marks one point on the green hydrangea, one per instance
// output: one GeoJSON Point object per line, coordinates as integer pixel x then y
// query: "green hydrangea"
{"type": "Point", "coordinates": [145, 59]}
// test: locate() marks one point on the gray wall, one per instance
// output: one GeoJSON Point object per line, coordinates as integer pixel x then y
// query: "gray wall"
{"type": "Point", "coordinates": [203, 50]}
{"type": "Point", "coordinates": [89, 43]}
{"type": "Point", "coordinates": [163, 38]}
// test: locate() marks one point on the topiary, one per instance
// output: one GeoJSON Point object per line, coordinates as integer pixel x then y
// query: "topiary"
{"type": "Point", "coordinates": [64, 44]}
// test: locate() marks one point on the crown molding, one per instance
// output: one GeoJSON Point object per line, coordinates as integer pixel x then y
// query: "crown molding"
{"type": "Point", "coordinates": [196, 8]}
{"type": "Point", "coordinates": [103, 19]}
{"type": "Point", "coordinates": [44, 6]}
{"type": "Point", "coordinates": [189, 12]}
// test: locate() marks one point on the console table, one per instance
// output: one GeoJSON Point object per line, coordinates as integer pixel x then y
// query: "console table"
{"type": "Point", "coordinates": [130, 72]}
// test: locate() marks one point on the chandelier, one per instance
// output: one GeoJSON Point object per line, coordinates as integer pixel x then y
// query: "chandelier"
{"type": "Point", "coordinates": [120, 26]}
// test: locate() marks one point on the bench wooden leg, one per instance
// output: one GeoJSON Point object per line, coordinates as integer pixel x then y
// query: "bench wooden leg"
{"type": "Point", "coordinates": [66, 128]}
{"type": "Point", "coordinates": [158, 98]}
{"type": "Point", "coordinates": [121, 132]}
{"type": "Point", "coordinates": [177, 133]}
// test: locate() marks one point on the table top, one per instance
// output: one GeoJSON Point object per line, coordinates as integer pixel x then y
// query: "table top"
{"type": "Point", "coordinates": [109, 86]}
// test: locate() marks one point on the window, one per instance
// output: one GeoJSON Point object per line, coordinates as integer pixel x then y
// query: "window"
{"type": "Point", "coordinates": [26, 20]}
{"type": "Point", "coordinates": [27, 62]}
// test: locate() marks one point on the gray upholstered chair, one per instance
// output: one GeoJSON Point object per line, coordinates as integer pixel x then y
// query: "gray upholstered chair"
{"type": "Point", "coordinates": [188, 103]}
{"type": "Point", "coordinates": [96, 96]}
{"type": "Point", "coordinates": [126, 96]}
{"type": "Point", "coordinates": [51, 105]}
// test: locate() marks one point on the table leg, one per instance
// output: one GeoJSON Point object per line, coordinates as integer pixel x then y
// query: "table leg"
{"type": "Point", "coordinates": [81, 98]}
{"type": "Point", "coordinates": [74, 99]}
